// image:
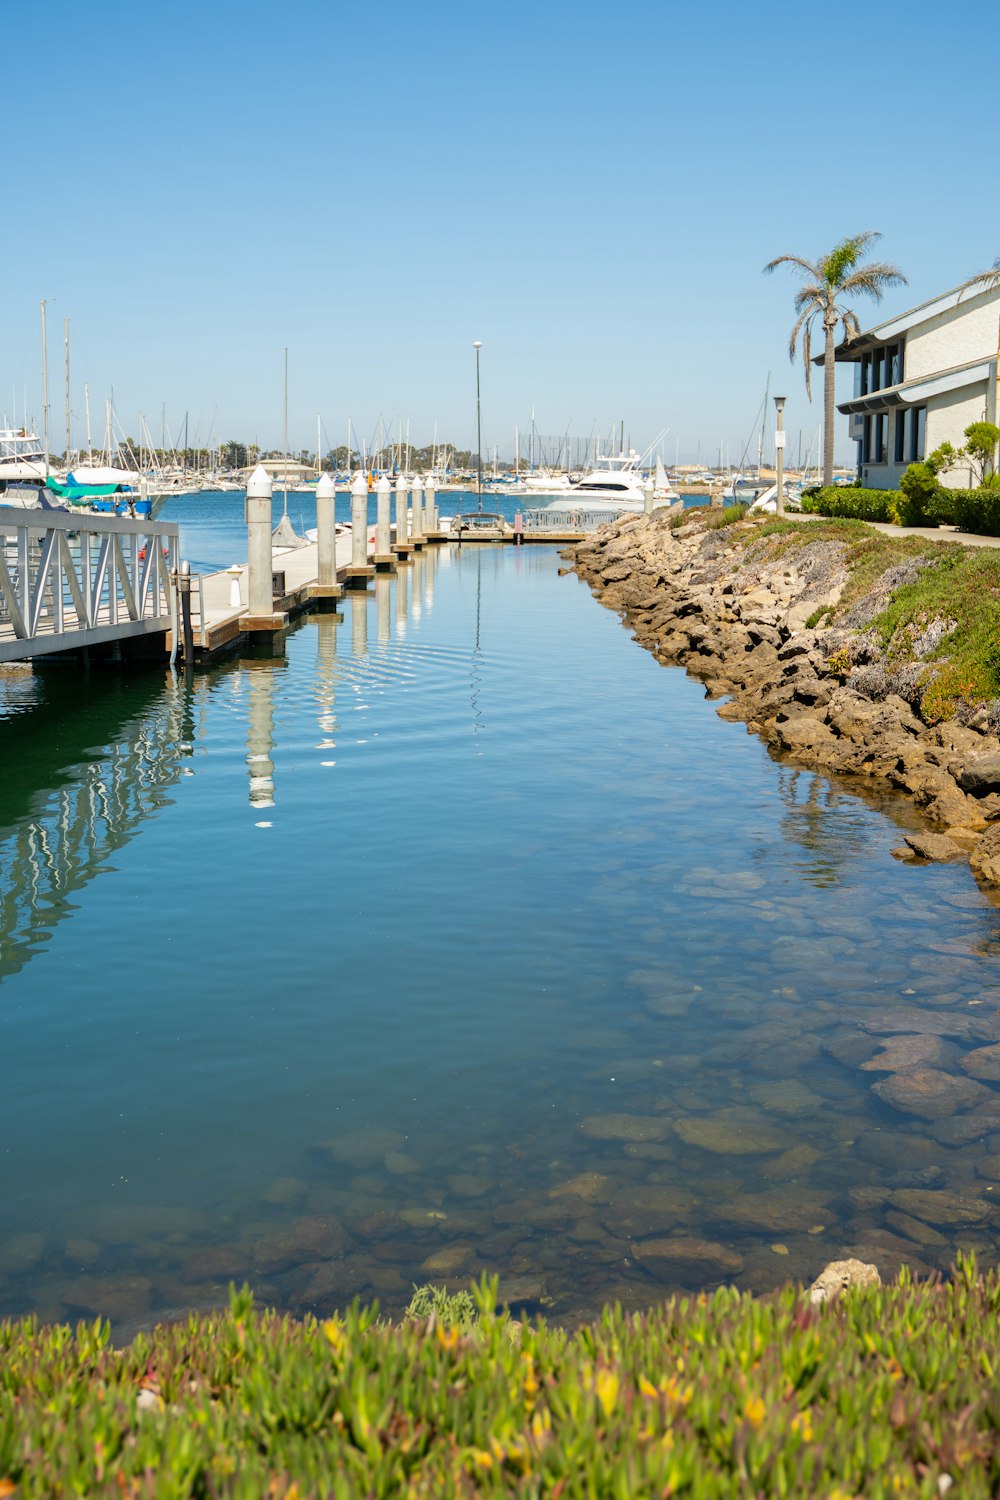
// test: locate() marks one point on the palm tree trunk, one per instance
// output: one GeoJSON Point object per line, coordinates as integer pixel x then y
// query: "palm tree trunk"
{"type": "Point", "coordinates": [829, 387]}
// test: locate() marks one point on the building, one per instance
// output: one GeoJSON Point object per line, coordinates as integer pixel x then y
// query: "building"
{"type": "Point", "coordinates": [288, 471]}
{"type": "Point", "coordinates": [919, 380]}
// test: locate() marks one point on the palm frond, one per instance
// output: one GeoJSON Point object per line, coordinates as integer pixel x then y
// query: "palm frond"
{"type": "Point", "coordinates": [804, 319]}
{"type": "Point", "coordinates": [984, 281]}
{"type": "Point", "coordinates": [807, 357]}
{"type": "Point", "coordinates": [792, 260]}
{"type": "Point", "coordinates": [844, 257]}
{"type": "Point", "coordinates": [811, 292]}
{"type": "Point", "coordinates": [852, 327]}
{"type": "Point", "coordinates": [872, 280]}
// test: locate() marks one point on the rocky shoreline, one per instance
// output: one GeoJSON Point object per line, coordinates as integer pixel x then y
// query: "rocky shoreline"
{"type": "Point", "coordinates": [738, 613]}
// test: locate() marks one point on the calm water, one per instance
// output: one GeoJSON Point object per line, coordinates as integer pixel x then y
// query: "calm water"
{"type": "Point", "coordinates": [462, 937]}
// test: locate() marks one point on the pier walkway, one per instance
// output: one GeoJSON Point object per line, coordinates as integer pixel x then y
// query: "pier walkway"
{"type": "Point", "coordinates": [69, 582]}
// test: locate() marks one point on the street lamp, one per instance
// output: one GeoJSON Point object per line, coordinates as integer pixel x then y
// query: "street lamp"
{"type": "Point", "coordinates": [477, 345]}
{"type": "Point", "coordinates": [779, 459]}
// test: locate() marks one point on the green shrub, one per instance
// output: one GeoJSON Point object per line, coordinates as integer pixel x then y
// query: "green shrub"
{"type": "Point", "coordinates": [923, 500]}
{"type": "Point", "coordinates": [726, 517]}
{"type": "Point", "coordinates": [886, 1392]}
{"type": "Point", "coordinates": [978, 510]}
{"type": "Point", "coordinates": [852, 501]}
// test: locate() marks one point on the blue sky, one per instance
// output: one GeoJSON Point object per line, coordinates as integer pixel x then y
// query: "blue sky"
{"type": "Point", "coordinates": [591, 190]}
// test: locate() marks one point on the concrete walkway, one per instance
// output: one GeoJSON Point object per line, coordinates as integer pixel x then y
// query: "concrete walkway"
{"type": "Point", "coordinates": [931, 533]}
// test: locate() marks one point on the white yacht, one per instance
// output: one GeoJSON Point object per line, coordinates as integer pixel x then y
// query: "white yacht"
{"type": "Point", "coordinates": [23, 469]}
{"type": "Point", "coordinates": [618, 487]}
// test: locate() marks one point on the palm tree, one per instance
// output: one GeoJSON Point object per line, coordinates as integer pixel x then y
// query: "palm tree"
{"type": "Point", "coordinates": [832, 277]}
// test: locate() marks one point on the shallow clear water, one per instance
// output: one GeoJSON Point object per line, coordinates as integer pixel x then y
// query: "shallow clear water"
{"type": "Point", "coordinates": [463, 936]}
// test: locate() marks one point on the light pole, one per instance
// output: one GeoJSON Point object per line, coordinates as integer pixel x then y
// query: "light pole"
{"type": "Point", "coordinates": [779, 459]}
{"type": "Point", "coordinates": [477, 345]}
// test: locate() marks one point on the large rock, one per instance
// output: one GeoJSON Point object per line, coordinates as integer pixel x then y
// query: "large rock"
{"type": "Point", "coordinates": [984, 1063]}
{"type": "Point", "coordinates": [981, 776]}
{"type": "Point", "coordinates": [838, 1276]}
{"type": "Point", "coordinates": [934, 846]}
{"type": "Point", "coordinates": [985, 857]}
{"type": "Point", "coordinates": [614, 1127]}
{"type": "Point", "coordinates": [929, 1093]}
{"type": "Point", "coordinates": [900, 1054]}
{"type": "Point", "coordinates": [941, 1207]}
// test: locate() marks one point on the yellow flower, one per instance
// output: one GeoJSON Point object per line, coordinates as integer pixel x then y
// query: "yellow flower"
{"type": "Point", "coordinates": [754, 1410]}
{"type": "Point", "coordinates": [606, 1386]}
{"type": "Point", "coordinates": [334, 1333]}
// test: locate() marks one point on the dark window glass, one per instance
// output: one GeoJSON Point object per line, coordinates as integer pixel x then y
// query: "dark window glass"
{"type": "Point", "coordinates": [920, 432]}
{"type": "Point", "coordinates": [866, 442]}
{"type": "Point", "coordinates": [900, 449]}
{"type": "Point", "coordinates": [879, 438]}
{"type": "Point", "coordinates": [866, 366]}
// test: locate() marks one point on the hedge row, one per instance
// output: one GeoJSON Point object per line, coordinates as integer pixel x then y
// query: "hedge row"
{"type": "Point", "coordinates": [977, 511]}
{"type": "Point", "coordinates": [886, 1392]}
{"type": "Point", "coordinates": [852, 501]}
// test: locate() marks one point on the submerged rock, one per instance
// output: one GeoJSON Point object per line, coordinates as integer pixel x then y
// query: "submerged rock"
{"type": "Point", "coordinates": [984, 1063]}
{"type": "Point", "coordinates": [690, 1252]}
{"type": "Point", "coordinates": [929, 1093]}
{"type": "Point", "coordinates": [732, 1133]}
{"type": "Point", "coordinates": [615, 1127]}
{"type": "Point", "coordinates": [938, 1206]}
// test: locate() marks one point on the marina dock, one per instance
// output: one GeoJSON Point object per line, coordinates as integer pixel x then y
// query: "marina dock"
{"type": "Point", "coordinates": [78, 583]}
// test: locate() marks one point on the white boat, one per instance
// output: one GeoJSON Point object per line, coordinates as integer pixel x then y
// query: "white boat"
{"type": "Point", "coordinates": [766, 503]}
{"type": "Point", "coordinates": [615, 488]}
{"type": "Point", "coordinates": [663, 490]}
{"type": "Point", "coordinates": [542, 482]}
{"type": "Point", "coordinates": [23, 469]}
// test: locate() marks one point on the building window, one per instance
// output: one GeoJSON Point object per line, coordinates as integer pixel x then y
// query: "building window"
{"type": "Point", "coordinates": [895, 362]}
{"type": "Point", "coordinates": [879, 438]}
{"type": "Point", "coordinates": [866, 442]}
{"type": "Point", "coordinates": [900, 446]}
{"type": "Point", "coordinates": [866, 364]}
{"type": "Point", "coordinates": [918, 433]}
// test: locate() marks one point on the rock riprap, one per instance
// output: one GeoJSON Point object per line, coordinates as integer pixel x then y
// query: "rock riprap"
{"type": "Point", "coordinates": [736, 609]}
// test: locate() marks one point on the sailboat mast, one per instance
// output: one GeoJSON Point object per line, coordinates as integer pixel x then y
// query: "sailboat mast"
{"type": "Point", "coordinates": [763, 425]}
{"type": "Point", "coordinates": [45, 387]}
{"type": "Point", "coordinates": [319, 440]}
{"type": "Point", "coordinates": [284, 490]}
{"type": "Point", "coordinates": [69, 439]}
{"type": "Point", "coordinates": [86, 402]}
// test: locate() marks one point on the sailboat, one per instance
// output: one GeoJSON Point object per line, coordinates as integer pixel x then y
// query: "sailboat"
{"type": "Point", "coordinates": [662, 488]}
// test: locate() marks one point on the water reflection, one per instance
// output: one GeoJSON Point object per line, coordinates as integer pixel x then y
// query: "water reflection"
{"type": "Point", "coordinates": [260, 674]}
{"type": "Point", "coordinates": [83, 770]}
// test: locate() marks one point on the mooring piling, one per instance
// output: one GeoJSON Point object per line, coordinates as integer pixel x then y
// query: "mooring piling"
{"type": "Point", "coordinates": [384, 559]}
{"type": "Point", "coordinates": [260, 581]}
{"type": "Point", "coordinates": [326, 586]}
{"type": "Point", "coordinates": [359, 572]}
{"type": "Point", "coordinates": [383, 609]}
{"type": "Point", "coordinates": [401, 546]}
{"type": "Point", "coordinates": [647, 495]}
{"type": "Point", "coordinates": [417, 532]}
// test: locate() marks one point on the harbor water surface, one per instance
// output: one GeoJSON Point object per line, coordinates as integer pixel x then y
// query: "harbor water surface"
{"type": "Point", "coordinates": [462, 937]}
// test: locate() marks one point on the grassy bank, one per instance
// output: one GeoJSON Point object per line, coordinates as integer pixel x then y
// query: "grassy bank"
{"type": "Point", "coordinates": [882, 1393]}
{"type": "Point", "coordinates": [952, 601]}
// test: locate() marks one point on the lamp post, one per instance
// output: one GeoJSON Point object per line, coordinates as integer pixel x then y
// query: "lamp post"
{"type": "Point", "coordinates": [779, 459]}
{"type": "Point", "coordinates": [477, 345]}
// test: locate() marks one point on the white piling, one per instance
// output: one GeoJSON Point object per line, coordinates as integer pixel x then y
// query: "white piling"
{"type": "Point", "coordinates": [382, 523]}
{"type": "Point", "coordinates": [259, 560]}
{"type": "Point", "coordinates": [359, 522]}
{"type": "Point", "coordinates": [430, 507]}
{"type": "Point", "coordinates": [326, 534]}
{"type": "Point", "coordinates": [418, 517]}
{"type": "Point", "coordinates": [647, 494]}
{"type": "Point", "coordinates": [402, 506]}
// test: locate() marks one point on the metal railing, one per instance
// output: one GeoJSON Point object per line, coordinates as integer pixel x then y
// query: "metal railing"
{"type": "Point", "coordinates": [567, 520]}
{"type": "Point", "coordinates": [71, 580]}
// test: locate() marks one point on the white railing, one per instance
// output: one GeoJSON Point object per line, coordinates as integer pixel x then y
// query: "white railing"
{"type": "Point", "coordinates": [71, 580]}
{"type": "Point", "coordinates": [567, 520]}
